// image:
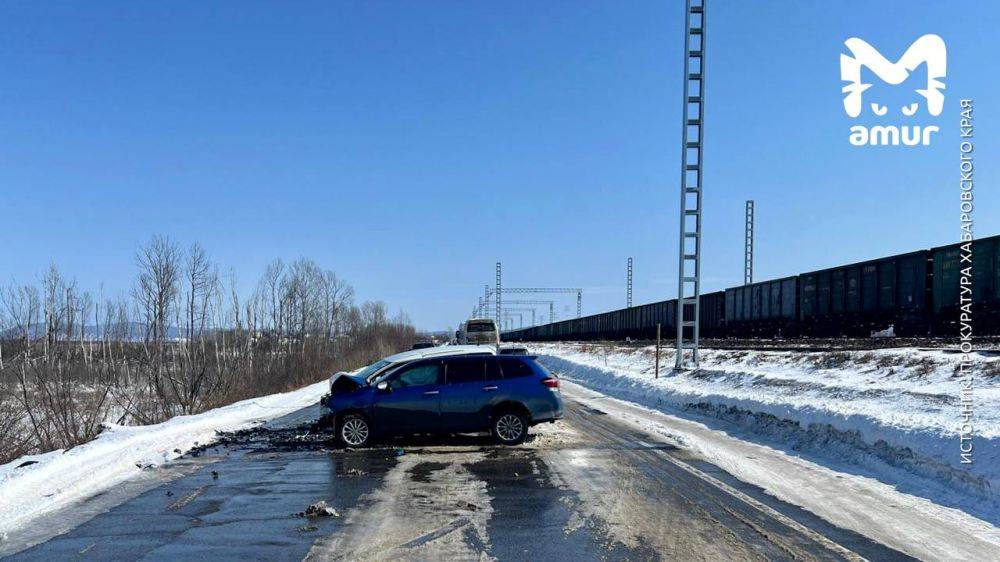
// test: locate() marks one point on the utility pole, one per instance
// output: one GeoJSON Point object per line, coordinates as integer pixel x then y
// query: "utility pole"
{"type": "Point", "coordinates": [486, 302]}
{"type": "Point", "coordinates": [628, 297]}
{"type": "Point", "coordinates": [579, 303]}
{"type": "Point", "coordinates": [748, 247]}
{"type": "Point", "coordinates": [689, 266]}
{"type": "Point", "coordinates": [657, 375]}
{"type": "Point", "coordinates": [498, 291]}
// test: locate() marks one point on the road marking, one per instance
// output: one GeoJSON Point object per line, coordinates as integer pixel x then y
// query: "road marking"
{"type": "Point", "coordinates": [187, 499]}
{"type": "Point", "coordinates": [437, 533]}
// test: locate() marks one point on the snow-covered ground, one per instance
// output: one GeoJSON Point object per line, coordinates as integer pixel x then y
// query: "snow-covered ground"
{"type": "Point", "coordinates": [38, 485]}
{"type": "Point", "coordinates": [913, 525]}
{"type": "Point", "coordinates": [892, 414]}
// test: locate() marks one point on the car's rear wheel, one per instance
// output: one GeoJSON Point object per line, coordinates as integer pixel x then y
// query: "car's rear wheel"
{"type": "Point", "coordinates": [510, 428]}
{"type": "Point", "coordinates": [354, 431]}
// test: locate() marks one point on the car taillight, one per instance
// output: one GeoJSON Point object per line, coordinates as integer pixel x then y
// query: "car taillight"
{"type": "Point", "coordinates": [551, 382]}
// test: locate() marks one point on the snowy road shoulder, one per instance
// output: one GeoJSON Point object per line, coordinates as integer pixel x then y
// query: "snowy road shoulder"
{"type": "Point", "coordinates": [39, 485]}
{"type": "Point", "coordinates": [907, 523]}
{"type": "Point", "coordinates": [890, 414]}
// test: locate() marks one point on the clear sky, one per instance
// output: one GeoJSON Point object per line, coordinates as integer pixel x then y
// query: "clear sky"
{"type": "Point", "coordinates": [411, 145]}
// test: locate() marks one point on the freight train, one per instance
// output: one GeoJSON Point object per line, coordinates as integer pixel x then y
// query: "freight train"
{"type": "Point", "coordinates": [914, 294]}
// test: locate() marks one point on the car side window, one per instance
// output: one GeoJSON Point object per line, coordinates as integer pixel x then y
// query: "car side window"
{"type": "Point", "coordinates": [418, 375]}
{"type": "Point", "coordinates": [466, 369]}
{"type": "Point", "coordinates": [514, 368]}
{"type": "Point", "coordinates": [493, 369]}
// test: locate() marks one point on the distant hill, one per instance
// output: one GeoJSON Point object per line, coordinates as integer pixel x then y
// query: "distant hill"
{"type": "Point", "coordinates": [134, 331]}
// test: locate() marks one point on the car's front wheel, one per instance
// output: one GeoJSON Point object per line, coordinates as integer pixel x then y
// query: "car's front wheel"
{"type": "Point", "coordinates": [354, 431]}
{"type": "Point", "coordinates": [510, 428]}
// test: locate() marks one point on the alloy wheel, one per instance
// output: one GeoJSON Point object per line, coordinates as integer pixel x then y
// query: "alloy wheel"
{"type": "Point", "coordinates": [354, 431]}
{"type": "Point", "coordinates": [509, 427]}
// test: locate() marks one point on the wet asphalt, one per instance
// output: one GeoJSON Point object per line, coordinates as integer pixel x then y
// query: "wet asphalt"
{"type": "Point", "coordinates": [585, 488]}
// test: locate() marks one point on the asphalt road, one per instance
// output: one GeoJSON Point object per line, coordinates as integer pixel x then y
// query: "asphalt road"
{"type": "Point", "coordinates": [586, 488]}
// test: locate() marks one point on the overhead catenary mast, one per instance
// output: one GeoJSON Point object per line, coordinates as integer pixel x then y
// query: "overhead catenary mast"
{"type": "Point", "coordinates": [628, 290]}
{"type": "Point", "coordinates": [689, 266]}
{"type": "Point", "coordinates": [498, 318]}
{"type": "Point", "coordinates": [748, 246]}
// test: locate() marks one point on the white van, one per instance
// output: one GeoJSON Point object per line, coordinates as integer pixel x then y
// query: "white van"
{"type": "Point", "coordinates": [478, 331]}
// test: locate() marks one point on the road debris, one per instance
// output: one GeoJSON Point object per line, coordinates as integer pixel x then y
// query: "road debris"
{"type": "Point", "coordinates": [319, 509]}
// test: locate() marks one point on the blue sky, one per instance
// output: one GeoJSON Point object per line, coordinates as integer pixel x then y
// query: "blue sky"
{"type": "Point", "coordinates": [411, 145]}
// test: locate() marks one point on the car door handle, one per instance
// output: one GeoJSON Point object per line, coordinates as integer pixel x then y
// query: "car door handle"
{"type": "Point", "coordinates": [488, 388]}
{"type": "Point", "coordinates": [432, 392]}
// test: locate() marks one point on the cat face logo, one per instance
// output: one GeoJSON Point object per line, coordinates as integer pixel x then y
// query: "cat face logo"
{"type": "Point", "coordinates": [928, 49]}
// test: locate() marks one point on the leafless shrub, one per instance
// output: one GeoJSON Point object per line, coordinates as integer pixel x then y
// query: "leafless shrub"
{"type": "Point", "coordinates": [179, 343]}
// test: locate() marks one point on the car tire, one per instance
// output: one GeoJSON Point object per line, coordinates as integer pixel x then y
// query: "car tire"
{"type": "Point", "coordinates": [509, 427]}
{"type": "Point", "coordinates": [354, 431]}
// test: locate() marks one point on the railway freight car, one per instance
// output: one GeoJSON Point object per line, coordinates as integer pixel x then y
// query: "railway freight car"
{"type": "Point", "coordinates": [915, 293]}
{"type": "Point", "coordinates": [945, 295]}
{"type": "Point", "coordinates": [765, 309]}
{"type": "Point", "coordinates": [861, 298]}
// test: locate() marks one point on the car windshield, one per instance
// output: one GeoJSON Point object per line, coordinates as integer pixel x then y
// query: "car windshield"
{"type": "Point", "coordinates": [481, 327]}
{"type": "Point", "coordinates": [372, 369]}
{"type": "Point", "coordinates": [384, 376]}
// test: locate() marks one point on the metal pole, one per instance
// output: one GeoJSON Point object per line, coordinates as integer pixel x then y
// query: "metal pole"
{"type": "Point", "coordinates": [748, 246]}
{"type": "Point", "coordinates": [689, 257]}
{"type": "Point", "coordinates": [499, 291]}
{"type": "Point", "coordinates": [579, 303]}
{"type": "Point", "coordinates": [657, 350]}
{"type": "Point", "coordinates": [628, 297]}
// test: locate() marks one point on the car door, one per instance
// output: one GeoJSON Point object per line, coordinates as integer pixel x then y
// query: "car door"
{"type": "Point", "coordinates": [464, 398]}
{"type": "Point", "coordinates": [411, 402]}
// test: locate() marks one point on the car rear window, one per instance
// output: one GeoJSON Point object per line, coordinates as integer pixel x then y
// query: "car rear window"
{"type": "Point", "coordinates": [466, 370]}
{"type": "Point", "coordinates": [481, 327]}
{"type": "Point", "coordinates": [514, 367]}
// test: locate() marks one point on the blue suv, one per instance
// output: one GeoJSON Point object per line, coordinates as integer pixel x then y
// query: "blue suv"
{"type": "Point", "coordinates": [452, 394]}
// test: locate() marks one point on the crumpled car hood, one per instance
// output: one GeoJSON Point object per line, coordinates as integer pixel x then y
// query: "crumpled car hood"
{"type": "Point", "coordinates": [345, 383]}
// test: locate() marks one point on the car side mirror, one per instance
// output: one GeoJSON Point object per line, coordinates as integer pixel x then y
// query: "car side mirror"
{"type": "Point", "coordinates": [382, 386]}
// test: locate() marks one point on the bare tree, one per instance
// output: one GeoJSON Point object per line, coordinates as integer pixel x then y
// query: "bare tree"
{"type": "Point", "coordinates": [70, 362]}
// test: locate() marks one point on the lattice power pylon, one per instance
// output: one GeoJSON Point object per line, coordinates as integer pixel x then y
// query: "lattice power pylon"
{"type": "Point", "coordinates": [748, 247]}
{"type": "Point", "coordinates": [628, 290]}
{"type": "Point", "coordinates": [499, 292]}
{"type": "Point", "coordinates": [689, 267]}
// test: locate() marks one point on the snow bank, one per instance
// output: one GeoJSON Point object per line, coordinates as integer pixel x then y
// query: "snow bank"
{"type": "Point", "coordinates": [882, 411]}
{"type": "Point", "coordinates": [59, 478]}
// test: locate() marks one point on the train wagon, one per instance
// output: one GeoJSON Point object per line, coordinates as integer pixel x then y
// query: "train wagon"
{"type": "Point", "coordinates": [765, 309]}
{"type": "Point", "coordinates": [915, 293]}
{"type": "Point", "coordinates": [947, 271]}
{"type": "Point", "coordinates": [712, 315]}
{"type": "Point", "coordinates": [862, 298]}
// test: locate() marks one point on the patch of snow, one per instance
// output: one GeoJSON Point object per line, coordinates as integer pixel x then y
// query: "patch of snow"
{"type": "Point", "coordinates": [60, 478]}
